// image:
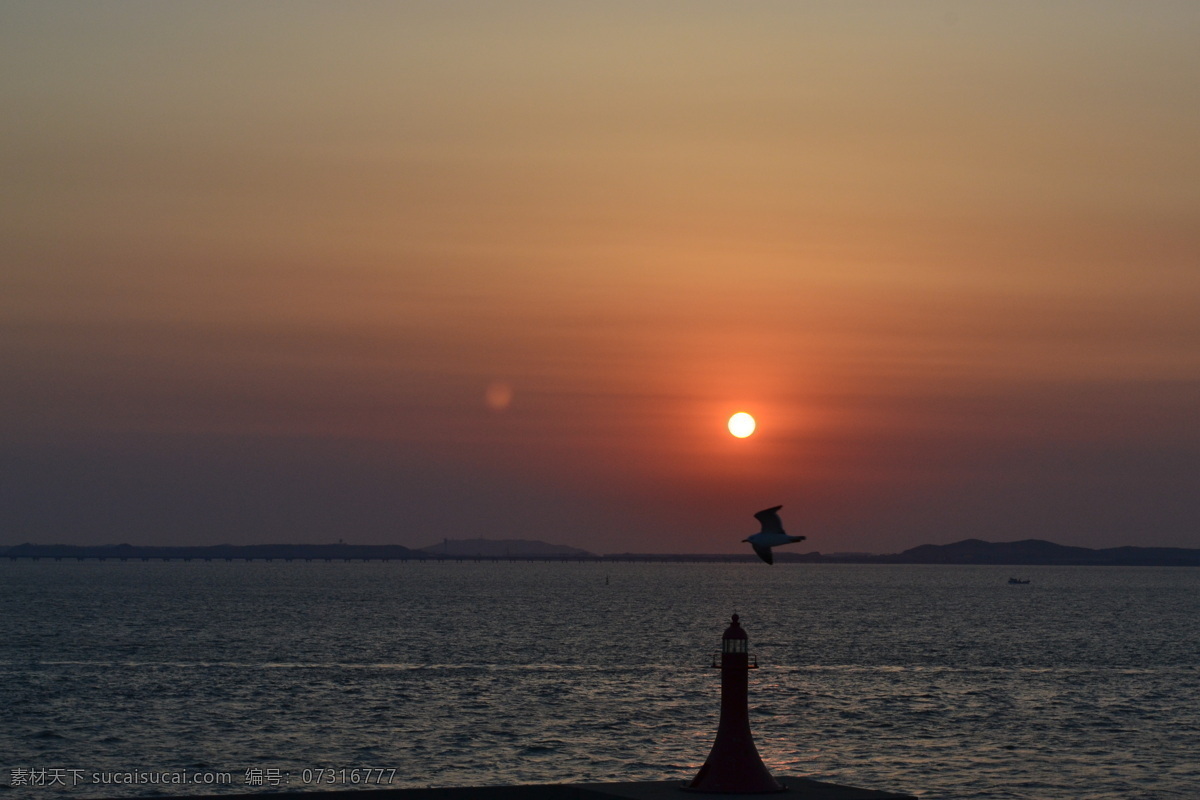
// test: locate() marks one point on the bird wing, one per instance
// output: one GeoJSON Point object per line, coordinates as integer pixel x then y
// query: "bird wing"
{"type": "Point", "coordinates": [764, 553]}
{"type": "Point", "coordinates": [770, 520]}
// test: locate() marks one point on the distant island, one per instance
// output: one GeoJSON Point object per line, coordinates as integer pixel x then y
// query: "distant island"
{"type": "Point", "coordinates": [1029, 552]}
{"type": "Point", "coordinates": [503, 548]}
{"type": "Point", "coordinates": [1040, 552]}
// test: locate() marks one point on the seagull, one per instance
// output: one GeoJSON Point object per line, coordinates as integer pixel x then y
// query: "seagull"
{"type": "Point", "coordinates": [772, 534]}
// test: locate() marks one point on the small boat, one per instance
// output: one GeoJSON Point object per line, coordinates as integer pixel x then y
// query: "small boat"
{"type": "Point", "coordinates": [1018, 581]}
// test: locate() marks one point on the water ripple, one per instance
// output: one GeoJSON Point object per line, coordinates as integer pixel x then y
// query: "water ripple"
{"type": "Point", "coordinates": [940, 681]}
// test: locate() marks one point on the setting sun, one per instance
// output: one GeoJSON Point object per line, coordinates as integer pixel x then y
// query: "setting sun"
{"type": "Point", "coordinates": [741, 425]}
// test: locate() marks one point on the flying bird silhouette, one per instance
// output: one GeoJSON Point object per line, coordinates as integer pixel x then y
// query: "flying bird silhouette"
{"type": "Point", "coordinates": [771, 535]}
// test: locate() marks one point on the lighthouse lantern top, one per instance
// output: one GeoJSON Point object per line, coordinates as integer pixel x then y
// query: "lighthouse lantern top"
{"type": "Point", "coordinates": [734, 640]}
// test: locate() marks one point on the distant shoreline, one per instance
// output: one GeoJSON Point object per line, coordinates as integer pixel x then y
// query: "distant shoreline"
{"type": "Point", "coordinates": [1031, 552]}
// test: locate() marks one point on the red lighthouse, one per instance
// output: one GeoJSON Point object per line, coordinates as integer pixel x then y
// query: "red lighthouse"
{"type": "Point", "coordinates": [733, 765]}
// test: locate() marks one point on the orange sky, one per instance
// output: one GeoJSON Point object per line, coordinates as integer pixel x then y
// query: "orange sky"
{"type": "Point", "coordinates": [260, 264]}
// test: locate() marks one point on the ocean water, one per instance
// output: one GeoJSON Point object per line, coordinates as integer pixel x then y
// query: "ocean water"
{"type": "Point", "coordinates": [124, 679]}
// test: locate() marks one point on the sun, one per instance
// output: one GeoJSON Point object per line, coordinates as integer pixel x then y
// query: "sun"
{"type": "Point", "coordinates": [741, 425]}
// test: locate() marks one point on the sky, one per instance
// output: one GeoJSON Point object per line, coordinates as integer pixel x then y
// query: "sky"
{"type": "Point", "coordinates": [399, 272]}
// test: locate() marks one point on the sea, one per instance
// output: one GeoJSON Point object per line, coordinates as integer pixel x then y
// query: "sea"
{"type": "Point", "coordinates": [132, 679]}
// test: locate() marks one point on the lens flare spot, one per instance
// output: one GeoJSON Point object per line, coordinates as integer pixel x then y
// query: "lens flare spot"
{"type": "Point", "coordinates": [499, 395]}
{"type": "Point", "coordinates": [741, 425]}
